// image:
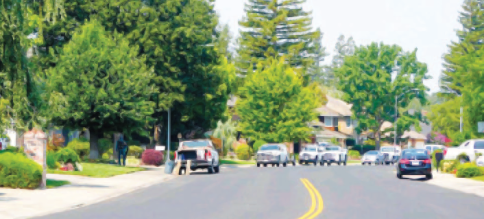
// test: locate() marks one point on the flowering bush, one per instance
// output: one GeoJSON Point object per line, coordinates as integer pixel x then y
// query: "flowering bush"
{"type": "Point", "coordinates": [152, 157]}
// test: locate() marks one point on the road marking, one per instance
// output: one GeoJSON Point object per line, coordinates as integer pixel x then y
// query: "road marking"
{"type": "Point", "coordinates": [315, 199]}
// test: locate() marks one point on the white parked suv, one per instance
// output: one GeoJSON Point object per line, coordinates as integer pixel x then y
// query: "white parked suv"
{"type": "Point", "coordinates": [275, 154]}
{"type": "Point", "coordinates": [311, 154]}
{"type": "Point", "coordinates": [335, 154]}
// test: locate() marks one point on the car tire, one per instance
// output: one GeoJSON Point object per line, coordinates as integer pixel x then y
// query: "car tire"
{"type": "Point", "coordinates": [293, 163]}
{"type": "Point", "coordinates": [321, 163]}
{"type": "Point", "coordinates": [182, 171]}
{"type": "Point", "coordinates": [363, 164]}
{"type": "Point", "coordinates": [265, 165]}
{"type": "Point", "coordinates": [339, 163]}
{"type": "Point", "coordinates": [329, 163]}
{"type": "Point", "coordinates": [306, 163]}
{"type": "Point", "coordinates": [217, 169]}
{"type": "Point", "coordinates": [428, 176]}
{"type": "Point", "coordinates": [399, 175]}
{"type": "Point", "coordinates": [273, 165]}
{"type": "Point", "coordinates": [277, 165]}
{"type": "Point", "coordinates": [258, 164]}
{"type": "Point", "coordinates": [369, 164]}
{"type": "Point", "coordinates": [210, 170]}
{"type": "Point", "coordinates": [284, 164]}
{"type": "Point", "coordinates": [344, 163]}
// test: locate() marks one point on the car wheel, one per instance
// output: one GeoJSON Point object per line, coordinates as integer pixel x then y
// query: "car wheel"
{"type": "Point", "coordinates": [277, 164]}
{"type": "Point", "coordinates": [363, 164]}
{"type": "Point", "coordinates": [306, 163]}
{"type": "Point", "coordinates": [265, 165]}
{"type": "Point", "coordinates": [369, 164]}
{"type": "Point", "coordinates": [321, 163]}
{"type": "Point", "coordinates": [273, 165]}
{"type": "Point", "coordinates": [329, 163]}
{"type": "Point", "coordinates": [339, 163]}
{"type": "Point", "coordinates": [344, 163]}
{"type": "Point", "coordinates": [300, 162]}
{"type": "Point", "coordinates": [284, 164]}
{"type": "Point", "coordinates": [210, 169]}
{"type": "Point", "coordinates": [182, 171]}
{"type": "Point", "coordinates": [293, 163]}
{"type": "Point", "coordinates": [428, 176]}
{"type": "Point", "coordinates": [258, 164]}
{"type": "Point", "coordinates": [217, 169]}
{"type": "Point", "coordinates": [399, 175]}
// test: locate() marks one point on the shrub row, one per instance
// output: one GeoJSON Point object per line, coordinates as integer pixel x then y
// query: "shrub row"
{"type": "Point", "coordinates": [152, 157]}
{"type": "Point", "coordinates": [243, 152]}
{"type": "Point", "coordinates": [354, 154]}
{"type": "Point", "coordinates": [18, 171]}
{"type": "Point", "coordinates": [469, 170]}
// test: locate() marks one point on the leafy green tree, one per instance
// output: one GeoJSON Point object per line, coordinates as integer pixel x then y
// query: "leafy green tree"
{"type": "Point", "coordinates": [470, 39]}
{"type": "Point", "coordinates": [274, 106]}
{"type": "Point", "coordinates": [273, 28]}
{"type": "Point", "coordinates": [223, 41]}
{"type": "Point", "coordinates": [99, 83]}
{"type": "Point", "coordinates": [18, 83]}
{"type": "Point", "coordinates": [445, 117]}
{"type": "Point", "coordinates": [366, 80]}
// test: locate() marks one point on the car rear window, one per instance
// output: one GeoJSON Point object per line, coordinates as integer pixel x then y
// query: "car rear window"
{"type": "Point", "coordinates": [193, 144]}
{"type": "Point", "coordinates": [387, 149]}
{"type": "Point", "coordinates": [332, 148]}
{"type": "Point", "coordinates": [372, 152]}
{"type": "Point", "coordinates": [415, 155]}
{"type": "Point", "coordinates": [310, 149]}
{"type": "Point", "coordinates": [479, 145]}
{"type": "Point", "coordinates": [269, 147]}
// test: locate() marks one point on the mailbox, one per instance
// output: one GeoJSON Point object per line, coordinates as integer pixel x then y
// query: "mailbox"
{"type": "Point", "coordinates": [438, 157]}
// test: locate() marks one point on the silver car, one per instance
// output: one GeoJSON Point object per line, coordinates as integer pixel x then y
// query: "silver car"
{"type": "Point", "coordinates": [370, 157]}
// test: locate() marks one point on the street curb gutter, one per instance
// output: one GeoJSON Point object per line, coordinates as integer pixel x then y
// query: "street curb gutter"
{"type": "Point", "coordinates": [114, 194]}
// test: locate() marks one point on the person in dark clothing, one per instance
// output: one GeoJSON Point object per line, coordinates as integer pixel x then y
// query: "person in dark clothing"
{"type": "Point", "coordinates": [122, 148]}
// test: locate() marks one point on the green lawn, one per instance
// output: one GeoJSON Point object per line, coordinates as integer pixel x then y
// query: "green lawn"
{"type": "Point", "coordinates": [353, 161]}
{"type": "Point", "coordinates": [238, 162]}
{"type": "Point", "coordinates": [99, 170]}
{"type": "Point", "coordinates": [56, 183]}
{"type": "Point", "coordinates": [479, 178]}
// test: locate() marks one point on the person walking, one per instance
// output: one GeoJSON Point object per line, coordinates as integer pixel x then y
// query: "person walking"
{"type": "Point", "coordinates": [122, 148]}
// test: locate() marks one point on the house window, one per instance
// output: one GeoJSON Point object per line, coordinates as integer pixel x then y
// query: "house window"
{"type": "Point", "coordinates": [348, 122]}
{"type": "Point", "coordinates": [335, 122]}
{"type": "Point", "coordinates": [328, 122]}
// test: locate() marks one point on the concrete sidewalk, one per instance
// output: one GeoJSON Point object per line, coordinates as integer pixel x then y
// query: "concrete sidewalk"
{"type": "Point", "coordinates": [449, 181]}
{"type": "Point", "coordinates": [19, 203]}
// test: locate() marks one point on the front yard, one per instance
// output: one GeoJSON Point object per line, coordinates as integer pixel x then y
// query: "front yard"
{"type": "Point", "coordinates": [479, 178]}
{"type": "Point", "coordinates": [99, 170]}
{"type": "Point", "coordinates": [237, 162]}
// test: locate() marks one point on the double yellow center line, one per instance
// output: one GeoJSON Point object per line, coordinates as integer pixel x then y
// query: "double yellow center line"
{"type": "Point", "coordinates": [316, 201]}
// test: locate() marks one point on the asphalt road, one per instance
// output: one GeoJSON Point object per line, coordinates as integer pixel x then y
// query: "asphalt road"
{"type": "Point", "coordinates": [351, 192]}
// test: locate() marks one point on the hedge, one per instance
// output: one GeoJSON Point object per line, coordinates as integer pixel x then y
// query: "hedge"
{"type": "Point", "coordinates": [469, 170]}
{"type": "Point", "coordinates": [448, 166]}
{"type": "Point", "coordinates": [80, 147]}
{"type": "Point", "coordinates": [135, 151]}
{"type": "Point", "coordinates": [152, 157]}
{"type": "Point", "coordinates": [18, 171]}
{"type": "Point", "coordinates": [354, 153]}
{"type": "Point", "coordinates": [363, 148]}
{"type": "Point", "coordinates": [243, 152]}
{"type": "Point", "coordinates": [67, 155]}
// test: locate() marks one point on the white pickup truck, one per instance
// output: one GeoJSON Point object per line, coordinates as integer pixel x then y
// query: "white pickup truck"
{"type": "Point", "coordinates": [334, 154]}
{"type": "Point", "coordinates": [470, 148]}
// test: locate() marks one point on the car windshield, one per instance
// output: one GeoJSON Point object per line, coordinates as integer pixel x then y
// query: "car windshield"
{"type": "Point", "coordinates": [479, 145]}
{"type": "Point", "coordinates": [269, 148]}
{"type": "Point", "coordinates": [194, 144]}
{"type": "Point", "coordinates": [415, 155]}
{"type": "Point", "coordinates": [332, 149]}
{"type": "Point", "coordinates": [371, 153]}
{"type": "Point", "coordinates": [310, 149]}
{"type": "Point", "coordinates": [387, 149]}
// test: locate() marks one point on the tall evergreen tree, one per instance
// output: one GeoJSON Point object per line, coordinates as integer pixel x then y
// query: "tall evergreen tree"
{"type": "Point", "coordinates": [470, 39]}
{"type": "Point", "coordinates": [344, 47]}
{"type": "Point", "coordinates": [273, 28]}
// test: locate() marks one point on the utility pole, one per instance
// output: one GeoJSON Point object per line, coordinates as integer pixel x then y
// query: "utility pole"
{"type": "Point", "coordinates": [396, 118]}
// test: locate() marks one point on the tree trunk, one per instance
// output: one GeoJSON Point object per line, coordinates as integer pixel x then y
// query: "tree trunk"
{"type": "Point", "coordinates": [93, 144]}
{"type": "Point", "coordinates": [377, 140]}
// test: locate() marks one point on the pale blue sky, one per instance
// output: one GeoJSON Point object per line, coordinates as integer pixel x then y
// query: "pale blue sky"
{"type": "Point", "coordinates": [428, 25]}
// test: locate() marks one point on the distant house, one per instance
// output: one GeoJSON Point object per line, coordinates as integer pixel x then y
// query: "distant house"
{"type": "Point", "coordinates": [334, 121]}
{"type": "Point", "coordinates": [414, 139]}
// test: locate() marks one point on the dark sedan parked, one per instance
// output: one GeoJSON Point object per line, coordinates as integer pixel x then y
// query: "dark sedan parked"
{"type": "Point", "coordinates": [414, 162]}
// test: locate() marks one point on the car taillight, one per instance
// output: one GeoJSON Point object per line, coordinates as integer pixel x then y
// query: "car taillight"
{"type": "Point", "coordinates": [404, 161]}
{"type": "Point", "coordinates": [208, 155]}
{"type": "Point", "coordinates": [175, 155]}
{"type": "Point", "coordinates": [428, 161]}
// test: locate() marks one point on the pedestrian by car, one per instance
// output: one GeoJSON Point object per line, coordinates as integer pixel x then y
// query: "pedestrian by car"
{"type": "Point", "coordinates": [414, 162]}
{"type": "Point", "coordinates": [123, 149]}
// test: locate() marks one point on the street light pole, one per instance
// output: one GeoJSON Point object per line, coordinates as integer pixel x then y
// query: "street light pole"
{"type": "Point", "coordinates": [168, 137]}
{"type": "Point", "coordinates": [396, 118]}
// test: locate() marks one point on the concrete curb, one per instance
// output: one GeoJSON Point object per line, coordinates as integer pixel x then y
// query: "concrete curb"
{"type": "Point", "coordinates": [114, 194]}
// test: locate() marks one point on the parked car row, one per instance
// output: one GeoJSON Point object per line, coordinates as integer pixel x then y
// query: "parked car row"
{"type": "Point", "coordinates": [385, 156]}
{"type": "Point", "coordinates": [323, 153]}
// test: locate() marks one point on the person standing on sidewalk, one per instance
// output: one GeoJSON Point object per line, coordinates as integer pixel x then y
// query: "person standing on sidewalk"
{"type": "Point", "coordinates": [123, 149]}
